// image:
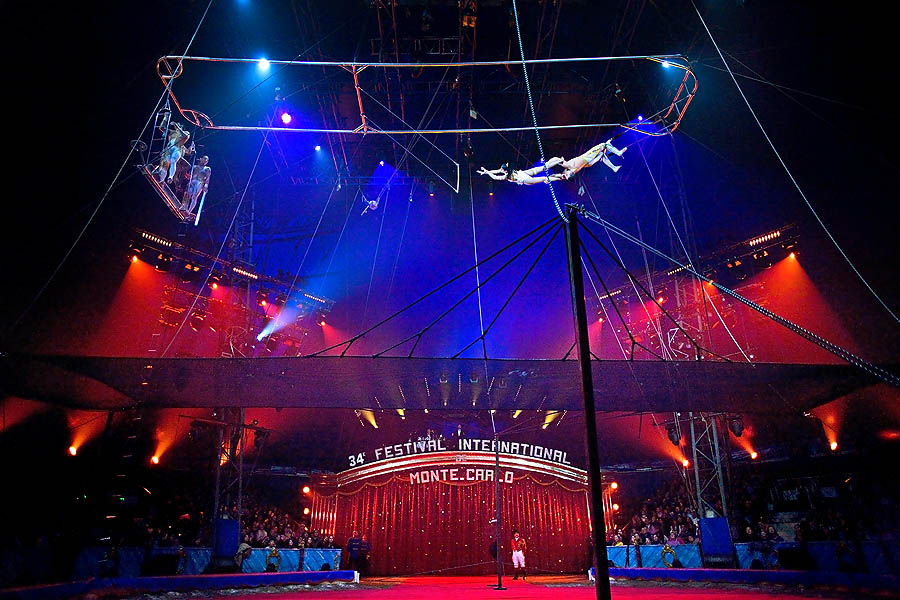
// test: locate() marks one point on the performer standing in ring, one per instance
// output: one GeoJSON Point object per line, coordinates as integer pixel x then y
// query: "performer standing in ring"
{"type": "Point", "coordinates": [518, 554]}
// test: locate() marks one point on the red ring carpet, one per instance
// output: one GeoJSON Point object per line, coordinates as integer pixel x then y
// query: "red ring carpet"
{"type": "Point", "coordinates": [555, 587]}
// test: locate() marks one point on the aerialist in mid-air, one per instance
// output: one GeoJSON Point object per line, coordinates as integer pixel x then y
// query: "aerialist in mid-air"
{"type": "Point", "coordinates": [570, 167]}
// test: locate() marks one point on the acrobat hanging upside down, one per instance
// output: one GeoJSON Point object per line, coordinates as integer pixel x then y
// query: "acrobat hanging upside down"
{"type": "Point", "coordinates": [570, 167]}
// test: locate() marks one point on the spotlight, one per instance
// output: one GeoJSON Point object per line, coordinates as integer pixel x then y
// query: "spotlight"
{"type": "Point", "coordinates": [263, 64]}
{"type": "Point", "coordinates": [792, 255]}
{"type": "Point", "coordinates": [318, 148]}
{"type": "Point", "coordinates": [262, 298]}
{"type": "Point", "coordinates": [736, 426]}
{"type": "Point", "coordinates": [134, 251]}
{"type": "Point", "coordinates": [615, 507]}
{"type": "Point", "coordinates": [73, 450]}
{"type": "Point", "coordinates": [666, 64]}
{"type": "Point", "coordinates": [196, 320]}
{"type": "Point", "coordinates": [685, 463]}
{"type": "Point", "coordinates": [380, 163]}
{"type": "Point", "coordinates": [154, 459]}
{"type": "Point", "coordinates": [674, 434]}
{"type": "Point", "coordinates": [614, 486]}
{"type": "Point", "coordinates": [259, 437]}
{"type": "Point", "coordinates": [163, 262]}
{"type": "Point", "coordinates": [286, 118]}
{"type": "Point", "coordinates": [260, 337]}
{"type": "Point", "coordinates": [754, 455]}
{"type": "Point", "coordinates": [214, 280]}
{"type": "Point", "coordinates": [833, 446]}
{"type": "Point", "coordinates": [191, 272]}
{"type": "Point", "coordinates": [431, 189]}
{"type": "Point", "coordinates": [306, 489]}
{"type": "Point", "coordinates": [640, 118]}
{"type": "Point", "coordinates": [306, 510]}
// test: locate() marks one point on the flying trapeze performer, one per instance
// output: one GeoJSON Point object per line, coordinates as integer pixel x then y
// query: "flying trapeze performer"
{"type": "Point", "coordinates": [176, 139]}
{"type": "Point", "coordinates": [570, 167]}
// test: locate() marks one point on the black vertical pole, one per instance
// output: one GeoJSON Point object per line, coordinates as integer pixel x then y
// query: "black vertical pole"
{"type": "Point", "coordinates": [576, 284]}
{"type": "Point", "coordinates": [497, 498]}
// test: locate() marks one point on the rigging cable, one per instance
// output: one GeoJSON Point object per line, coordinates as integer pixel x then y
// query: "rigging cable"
{"type": "Point", "coordinates": [537, 132]}
{"type": "Point", "coordinates": [237, 210]}
{"type": "Point", "coordinates": [90, 220]}
{"type": "Point", "coordinates": [788, 171]}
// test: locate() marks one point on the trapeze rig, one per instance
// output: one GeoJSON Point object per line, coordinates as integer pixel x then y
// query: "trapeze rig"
{"type": "Point", "coordinates": [173, 190]}
{"type": "Point", "coordinates": [663, 122]}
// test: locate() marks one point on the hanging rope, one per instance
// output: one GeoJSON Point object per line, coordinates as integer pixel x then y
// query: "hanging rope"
{"type": "Point", "coordinates": [537, 132]}
{"type": "Point", "coordinates": [477, 273]}
{"type": "Point", "coordinates": [791, 175]}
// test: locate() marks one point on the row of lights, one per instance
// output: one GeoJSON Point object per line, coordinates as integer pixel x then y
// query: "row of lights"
{"type": "Point", "coordinates": [764, 238]}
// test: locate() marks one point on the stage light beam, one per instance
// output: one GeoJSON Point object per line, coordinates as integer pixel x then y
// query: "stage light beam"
{"type": "Point", "coordinates": [833, 446]}
{"type": "Point", "coordinates": [73, 450]}
{"type": "Point", "coordinates": [286, 118]}
{"type": "Point", "coordinates": [154, 459]}
{"type": "Point", "coordinates": [263, 64]}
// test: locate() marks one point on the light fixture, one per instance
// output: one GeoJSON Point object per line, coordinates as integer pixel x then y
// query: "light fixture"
{"type": "Point", "coordinates": [736, 426]}
{"type": "Point", "coordinates": [674, 434]}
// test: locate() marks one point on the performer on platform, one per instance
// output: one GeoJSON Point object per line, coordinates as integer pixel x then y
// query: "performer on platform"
{"type": "Point", "coordinates": [199, 184]}
{"type": "Point", "coordinates": [518, 554]}
{"type": "Point", "coordinates": [174, 149]}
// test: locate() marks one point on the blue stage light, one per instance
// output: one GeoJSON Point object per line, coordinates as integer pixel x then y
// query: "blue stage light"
{"type": "Point", "coordinates": [260, 337]}
{"type": "Point", "coordinates": [665, 64]}
{"type": "Point", "coordinates": [640, 117]}
{"type": "Point", "coordinates": [318, 148]}
{"type": "Point", "coordinates": [286, 118]}
{"type": "Point", "coordinates": [380, 163]}
{"type": "Point", "coordinates": [263, 64]}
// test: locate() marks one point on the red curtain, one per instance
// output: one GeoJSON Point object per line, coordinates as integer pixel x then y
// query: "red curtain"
{"type": "Point", "coordinates": [444, 526]}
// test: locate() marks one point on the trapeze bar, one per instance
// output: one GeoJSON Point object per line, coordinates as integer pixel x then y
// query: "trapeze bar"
{"type": "Point", "coordinates": [371, 130]}
{"type": "Point", "coordinates": [419, 65]}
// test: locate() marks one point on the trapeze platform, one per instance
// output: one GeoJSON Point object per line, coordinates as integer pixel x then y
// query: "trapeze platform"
{"type": "Point", "coordinates": [170, 194]}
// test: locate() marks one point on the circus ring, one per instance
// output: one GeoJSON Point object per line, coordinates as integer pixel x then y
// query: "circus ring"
{"type": "Point", "coordinates": [431, 513]}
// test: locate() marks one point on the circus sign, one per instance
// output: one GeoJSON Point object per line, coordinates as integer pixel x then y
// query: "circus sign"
{"type": "Point", "coordinates": [460, 474]}
{"type": "Point", "coordinates": [462, 444]}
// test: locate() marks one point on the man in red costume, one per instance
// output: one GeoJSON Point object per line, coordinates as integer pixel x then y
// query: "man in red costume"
{"type": "Point", "coordinates": [518, 554]}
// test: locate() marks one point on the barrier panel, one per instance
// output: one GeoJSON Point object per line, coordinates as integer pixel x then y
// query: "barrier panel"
{"type": "Point", "coordinates": [134, 562]}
